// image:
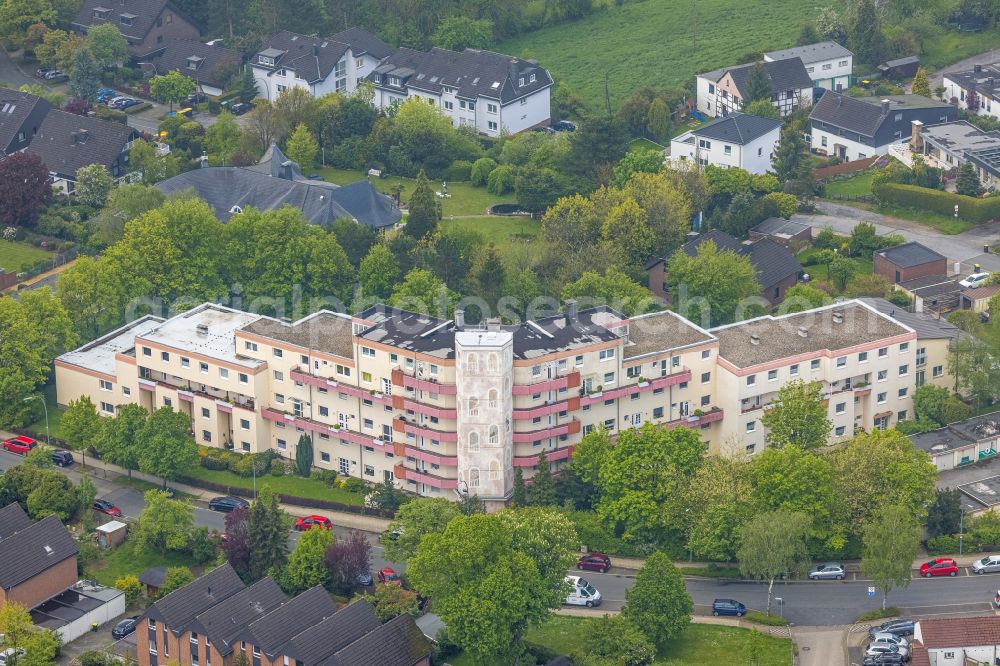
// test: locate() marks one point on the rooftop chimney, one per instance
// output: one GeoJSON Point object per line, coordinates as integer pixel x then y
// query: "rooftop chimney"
{"type": "Point", "coordinates": [493, 325]}
{"type": "Point", "coordinates": [571, 310]}
{"type": "Point", "coordinates": [885, 106]}
{"type": "Point", "coordinates": [977, 68]}
{"type": "Point", "coordinates": [755, 339]}
{"type": "Point", "coordinates": [803, 332]}
{"type": "Point", "coordinates": [316, 50]}
{"type": "Point", "coordinates": [202, 329]}
{"type": "Point", "coordinates": [915, 143]}
{"type": "Point", "coordinates": [459, 319]}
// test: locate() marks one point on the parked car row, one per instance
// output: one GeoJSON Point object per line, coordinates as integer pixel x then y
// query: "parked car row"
{"type": "Point", "coordinates": [888, 644]}
{"type": "Point", "coordinates": [48, 74]}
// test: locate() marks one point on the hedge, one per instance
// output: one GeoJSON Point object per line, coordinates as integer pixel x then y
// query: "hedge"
{"type": "Point", "coordinates": [970, 209]}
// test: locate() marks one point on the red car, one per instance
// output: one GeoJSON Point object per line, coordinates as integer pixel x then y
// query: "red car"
{"type": "Point", "coordinates": [598, 562]}
{"type": "Point", "coordinates": [942, 566]}
{"type": "Point", "coordinates": [388, 576]}
{"type": "Point", "coordinates": [308, 522]}
{"type": "Point", "coordinates": [104, 506]}
{"type": "Point", "coordinates": [20, 445]}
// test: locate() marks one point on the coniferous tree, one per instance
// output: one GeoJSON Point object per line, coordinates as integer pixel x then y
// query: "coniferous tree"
{"type": "Point", "coordinates": [304, 456]}
{"type": "Point", "coordinates": [267, 535]}
{"type": "Point", "coordinates": [757, 84]}
{"type": "Point", "coordinates": [423, 217]}
{"type": "Point", "coordinates": [921, 86]}
{"type": "Point", "coordinates": [520, 495]}
{"type": "Point", "coordinates": [85, 81]}
{"type": "Point", "coordinates": [790, 153]}
{"type": "Point", "coordinates": [543, 488]}
{"type": "Point", "coordinates": [865, 33]}
{"type": "Point", "coordinates": [248, 86]}
{"type": "Point", "coordinates": [968, 182]}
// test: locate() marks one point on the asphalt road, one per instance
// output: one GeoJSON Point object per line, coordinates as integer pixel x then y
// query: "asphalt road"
{"type": "Point", "coordinates": [11, 74]}
{"type": "Point", "coordinates": [804, 603]}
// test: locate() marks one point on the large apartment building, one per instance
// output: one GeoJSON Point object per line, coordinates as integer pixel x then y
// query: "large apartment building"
{"type": "Point", "coordinates": [443, 407]}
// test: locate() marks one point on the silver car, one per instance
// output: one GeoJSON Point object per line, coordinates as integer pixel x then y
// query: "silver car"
{"type": "Point", "coordinates": [881, 648]}
{"type": "Point", "coordinates": [885, 638]}
{"type": "Point", "coordinates": [989, 564]}
{"type": "Point", "coordinates": [828, 571]}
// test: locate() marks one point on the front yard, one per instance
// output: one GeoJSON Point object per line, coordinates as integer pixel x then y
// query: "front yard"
{"type": "Point", "coordinates": [295, 486]}
{"type": "Point", "coordinates": [17, 257]}
{"type": "Point", "coordinates": [125, 560]}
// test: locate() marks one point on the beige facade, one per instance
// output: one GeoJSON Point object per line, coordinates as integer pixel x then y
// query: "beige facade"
{"type": "Point", "coordinates": [442, 408]}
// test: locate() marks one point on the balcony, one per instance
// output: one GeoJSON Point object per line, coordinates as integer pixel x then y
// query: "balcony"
{"type": "Point", "coordinates": [570, 405]}
{"type": "Point", "coordinates": [532, 461]}
{"type": "Point", "coordinates": [694, 421]}
{"type": "Point", "coordinates": [571, 428]}
{"type": "Point", "coordinates": [330, 384]}
{"type": "Point", "coordinates": [225, 402]}
{"type": "Point", "coordinates": [403, 403]}
{"type": "Point", "coordinates": [310, 425]}
{"type": "Point", "coordinates": [423, 477]}
{"type": "Point", "coordinates": [568, 381]}
{"type": "Point", "coordinates": [640, 387]}
{"type": "Point", "coordinates": [407, 451]}
{"type": "Point", "coordinates": [401, 378]}
{"type": "Point", "coordinates": [401, 424]}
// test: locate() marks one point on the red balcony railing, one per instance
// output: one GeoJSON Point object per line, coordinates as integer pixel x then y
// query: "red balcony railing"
{"type": "Point", "coordinates": [568, 381]}
{"type": "Point", "coordinates": [571, 428]}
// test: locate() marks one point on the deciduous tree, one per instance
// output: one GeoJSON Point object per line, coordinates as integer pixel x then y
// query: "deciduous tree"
{"type": "Point", "coordinates": [347, 560]}
{"type": "Point", "coordinates": [306, 565]}
{"type": "Point", "coordinates": [164, 524]}
{"type": "Point", "coordinates": [713, 287]}
{"type": "Point", "coordinates": [763, 108]}
{"type": "Point", "coordinates": [658, 603]}
{"type": "Point", "coordinates": [171, 88]}
{"type": "Point", "coordinates": [378, 273]}
{"type": "Point", "coordinates": [168, 450]}
{"type": "Point", "coordinates": [107, 45]}
{"type": "Point", "coordinates": [302, 147]}
{"type": "Point", "coordinates": [944, 516]}
{"type": "Point", "coordinates": [458, 33]}
{"type": "Point", "coordinates": [175, 578]}
{"type": "Point", "coordinates": [236, 545]}
{"type": "Point", "coordinates": [414, 520]}
{"type": "Point", "coordinates": [798, 416]}
{"type": "Point", "coordinates": [25, 186]}
{"type": "Point", "coordinates": [93, 185]}
{"type": "Point", "coordinates": [422, 291]}
{"type": "Point", "coordinates": [120, 440]}
{"type": "Point", "coordinates": [773, 544]}
{"type": "Point", "coordinates": [81, 426]}
{"type": "Point", "coordinates": [614, 288]}
{"type": "Point", "coordinates": [889, 545]}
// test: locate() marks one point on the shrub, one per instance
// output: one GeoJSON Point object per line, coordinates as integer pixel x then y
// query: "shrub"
{"type": "Point", "coordinates": [943, 544]}
{"type": "Point", "coordinates": [95, 658]}
{"type": "Point", "coordinates": [501, 180]}
{"type": "Point", "coordinates": [203, 547]}
{"type": "Point", "coordinates": [355, 485]}
{"type": "Point", "coordinates": [937, 201]}
{"type": "Point", "coordinates": [459, 171]}
{"type": "Point", "coordinates": [131, 586]}
{"type": "Point", "coordinates": [481, 170]}
{"type": "Point", "coordinates": [278, 470]}
{"type": "Point", "coordinates": [597, 536]}
{"type": "Point", "coordinates": [214, 462]}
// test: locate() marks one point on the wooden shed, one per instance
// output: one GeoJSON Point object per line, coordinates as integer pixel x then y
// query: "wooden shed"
{"type": "Point", "coordinates": [900, 68]}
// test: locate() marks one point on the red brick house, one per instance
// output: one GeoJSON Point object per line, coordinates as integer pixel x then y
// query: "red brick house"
{"type": "Point", "coordinates": [39, 559]}
{"type": "Point", "coordinates": [909, 261]}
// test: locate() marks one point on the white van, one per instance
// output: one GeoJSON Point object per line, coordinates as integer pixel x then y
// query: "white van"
{"type": "Point", "coordinates": [582, 593]}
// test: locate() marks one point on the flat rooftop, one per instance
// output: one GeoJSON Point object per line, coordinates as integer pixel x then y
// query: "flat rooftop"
{"type": "Point", "coordinates": [779, 226]}
{"type": "Point", "coordinates": [778, 337]}
{"type": "Point", "coordinates": [811, 52]}
{"type": "Point", "coordinates": [99, 355]}
{"type": "Point", "coordinates": [942, 440]}
{"type": "Point", "coordinates": [325, 331]}
{"type": "Point", "coordinates": [662, 331]}
{"type": "Point", "coordinates": [932, 285]}
{"type": "Point", "coordinates": [209, 330]}
{"type": "Point", "coordinates": [959, 136]}
{"type": "Point", "coordinates": [985, 491]}
{"type": "Point", "coordinates": [409, 331]}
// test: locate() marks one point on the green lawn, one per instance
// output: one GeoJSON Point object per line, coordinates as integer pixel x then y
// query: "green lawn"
{"type": "Point", "coordinates": [284, 485]}
{"type": "Point", "coordinates": [142, 486]}
{"type": "Point", "coordinates": [55, 415]}
{"type": "Point", "coordinates": [943, 223]}
{"type": "Point", "coordinates": [660, 42]}
{"type": "Point", "coordinates": [644, 144]}
{"type": "Point", "coordinates": [862, 266]}
{"type": "Point", "coordinates": [125, 560]}
{"type": "Point", "coordinates": [952, 46]}
{"type": "Point", "coordinates": [855, 186]}
{"type": "Point", "coordinates": [699, 645]}
{"type": "Point", "coordinates": [464, 200]}
{"type": "Point", "coordinates": [501, 231]}
{"type": "Point", "coordinates": [17, 257]}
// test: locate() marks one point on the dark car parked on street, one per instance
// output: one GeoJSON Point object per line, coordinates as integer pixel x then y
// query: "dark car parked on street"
{"type": "Point", "coordinates": [900, 627]}
{"type": "Point", "coordinates": [241, 108]}
{"type": "Point", "coordinates": [124, 628]}
{"type": "Point", "coordinates": [728, 607]}
{"type": "Point", "coordinates": [598, 562]}
{"type": "Point", "coordinates": [62, 458]}
{"type": "Point", "coordinates": [227, 503]}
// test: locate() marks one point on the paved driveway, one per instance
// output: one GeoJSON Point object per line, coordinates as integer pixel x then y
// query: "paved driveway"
{"type": "Point", "coordinates": [11, 73]}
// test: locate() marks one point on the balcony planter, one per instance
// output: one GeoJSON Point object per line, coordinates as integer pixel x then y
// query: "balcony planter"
{"type": "Point", "coordinates": [698, 413]}
{"type": "Point", "coordinates": [643, 382]}
{"type": "Point", "coordinates": [860, 385]}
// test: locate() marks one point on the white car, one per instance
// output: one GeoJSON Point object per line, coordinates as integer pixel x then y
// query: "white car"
{"type": "Point", "coordinates": [975, 280]}
{"type": "Point", "coordinates": [989, 564]}
{"type": "Point", "coordinates": [582, 593]}
{"type": "Point", "coordinates": [6, 655]}
{"type": "Point", "coordinates": [881, 648]}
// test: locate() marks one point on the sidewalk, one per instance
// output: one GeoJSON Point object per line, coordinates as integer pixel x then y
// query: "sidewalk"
{"type": "Point", "coordinates": [781, 632]}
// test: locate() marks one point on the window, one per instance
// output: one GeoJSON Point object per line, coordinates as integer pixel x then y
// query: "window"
{"type": "Point", "coordinates": [106, 385]}
{"type": "Point", "coordinates": [606, 354]}
{"type": "Point", "coordinates": [324, 457]}
{"type": "Point", "coordinates": [167, 402]}
{"type": "Point", "coordinates": [814, 364]}
{"type": "Point", "coordinates": [244, 379]}
{"type": "Point", "coordinates": [827, 66]}
{"type": "Point", "coordinates": [494, 435]}
{"type": "Point", "coordinates": [704, 143]}
{"type": "Point", "coordinates": [902, 392]}
{"type": "Point", "coordinates": [472, 106]}
{"type": "Point", "coordinates": [863, 357]}
{"type": "Point", "coordinates": [369, 470]}
{"type": "Point", "coordinates": [205, 413]}
{"type": "Point", "coordinates": [492, 126]}
{"type": "Point", "coordinates": [705, 399]}
{"type": "Point", "coordinates": [185, 362]}
{"type": "Point", "coordinates": [126, 19]}
{"type": "Point", "coordinates": [491, 108]}
{"type": "Point", "coordinates": [793, 370]}
{"type": "Point", "coordinates": [366, 376]}
{"type": "Point", "coordinates": [880, 398]}
{"type": "Point", "coordinates": [921, 356]}
{"type": "Point", "coordinates": [279, 376]}
{"type": "Point", "coordinates": [206, 435]}
{"type": "Point", "coordinates": [250, 346]}
{"type": "Point", "coordinates": [882, 374]}
{"type": "Point", "coordinates": [579, 361]}
{"type": "Point", "coordinates": [751, 380]}
{"type": "Point", "coordinates": [706, 377]}
{"type": "Point", "coordinates": [904, 370]}
{"type": "Point", "coordinates": [224, 373]}
{"type": "Point", "coordinates": [841, 361]}
{"type": "Point", "coordinates": [772, 375]}
{"type": "Point", "coordinates": [883, 352]}
{"type": "Point", "coordinates": [107, 408]}
{"type": "Point", "coordinates": [706, 353]}
{"type": "Point", "coordinates": [165, 356]}
{"type": "Point", "coordinates": [751, 426]}
{"type": "Point", "coordinates": [727, 150]}
{"type": "Point", "coordinates": [609, 378]}
{"type": "Point", "coordinates": [345, 465]}
{"type": "Point", "coordinates": [369, 424]}
{"type": "Point", "coordinates": [841, 63]}
{"type": "Point", "coordinates": [904, 347]}
{"type": "Point", "coordinates": [937, 371]}
{"type": "Point", "coordinates": [449, 105]}
{"type": "Point", "coordinates": [203, 367]}
{"type": "Point", "coordinates": [368, 352]}
{"type": "Point", "coordinates": [658, 412]}
{"type": "Point", "coordinates": [126, 390]}
{"type": "Point", "coordinates": [841, 407]}
{"type": "Point", "coordinates": [822, 141]}
{"type": "Point", "coordinates": [711, 88]}
{"type": "Point", "coordinates": [840, 430]}
{"type": "Point", "coordinates": [146, 351]}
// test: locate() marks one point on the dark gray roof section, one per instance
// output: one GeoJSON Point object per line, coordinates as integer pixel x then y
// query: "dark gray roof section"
{"type": "Point", "coordinates": [321, 203]}
{"type": "Point", "coordinates": [984, 79]}
{"type": "Point", "coordinates": [409, 331]}
{"type": "Point", "coordinates": [908, 60]}
{"type": "Point", "coordinates": [363, 43]}
{"type": "Point", "coordinates": [32, 550]}
{"type": "Point", "coordinates": [154, 576]}
{"type": "Point", "coordinates": [211, 59]}
{"type": "Point", "coordinates": [959, 434]}
{"type": "Point", "coordinates": [144, 12]}
{"type": "Point", "coordinates": [779, 226]}
{"type": "Point", "coordinates": [12, 519]}
{"type": "Point", "coordinates": [864, 115]}
{"type": "Point", "coordinates": [774, 262]}
{"type": "Point", "coordinates": [788, 74]}
{"type": "Point", "coordinates": [561, 334]}
{"type": "Point", "coordinates": [472, 72]}
{"type": "Point", "coordinates": [179, 609]}
{"type": "Point", "coordinates": [276, 628]}
{"type": "Point", "coordinates": [927, 326]}
{"type": "Point", "coordinates": [15, 117]}
{"type": "Point", "coordinates": [332, 634]}
{"type": "Point", "coordinates": [722, 240]}
{"type": "Point", "coordinates": [398, 642]}
{"type": "Point", "coordinates": [222, 623]}
{"type": "Point", "coordinates": [738, 128]}
{"type": "Point", "coordinates": [811, 53]}
{"type": "Point", "coordinates": [314, 58]}
{"type": "Point", "coordinates": [325, 331]}
{"type": "Point", "coordinates": [66, 142]}
{"type": "Point", "coordinates": [911, 254]}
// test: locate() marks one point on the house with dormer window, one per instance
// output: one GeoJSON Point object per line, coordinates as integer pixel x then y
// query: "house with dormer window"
{"type": "Point", "coordinates": [209, 65]}
{"type": "Point", "coordinates": [320, 65]}
{"type": "Point", "coordinates": [145, 24]}
{"type": "Point", "coordinates": [722, 91]}
{"type": "Point", "coordinates": [490, 91]}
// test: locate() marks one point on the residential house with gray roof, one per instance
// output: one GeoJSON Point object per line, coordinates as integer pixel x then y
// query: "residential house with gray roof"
{"type": "Point", "coordinates": [208, 65]}
{"type": "Point", "coordinates": [320, 65]}
{"type": "Point", "coordinates": [828, 63]}
{"type": "Point", "coordinates": [976, 89]}
{"type": "Point", "coordinates": [856, 128]}
{"type": "Point", "coordinates": [489, 91]}
{"type": "Point", "coordinates": [21, 115]}
{"type": "Point", "coordinates": [145, 24]}
{"type": "Point", "coordinates": [737, 140]}
{"type": "Point", "coordinates": [722, 91]}
{"type": "Point", "coordinates": [39, 559]}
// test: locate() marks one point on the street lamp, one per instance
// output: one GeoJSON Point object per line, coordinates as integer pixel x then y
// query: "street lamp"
{"type": "Point", "coordinates": [961, 530]}
{"type": "Point", "coordinates": [781, 606]}
{"type": "Point", "coordinates": [46, 410]}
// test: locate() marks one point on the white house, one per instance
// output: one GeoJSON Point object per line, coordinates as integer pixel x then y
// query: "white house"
{"type": "Point", "coordinates": [828, 63]}
{"type": "Point", "coordinates": [984, 80]}
{"type": "Point", "coordinates": [321, 65]}
{"type": "Point", "coordinates": [736, 140]}
{"type": "Point", "coordinates": [956, 641]}
{"type": "Point", "coordinates": [723, 90]}
{"type": "Point", "coordinates": [490, 91]}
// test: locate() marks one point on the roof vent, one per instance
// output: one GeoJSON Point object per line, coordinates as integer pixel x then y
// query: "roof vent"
{"type": "Point", "coordinates": [459, 319]}
{"type": "Point", "coordinates": [571, 311]}
{"type": "Point", "coordinates": [48, 550]}
{"type": "Point", "coordinates": [493, 325]}
{"type": "Point", "coordinates": [803, 332]}
{"type": "Point", "coordinates": [755, 339]}
{"type": "Point", "coordinates": [202, 329]}
{"type": "Point", "coordinates": [838, 316]}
